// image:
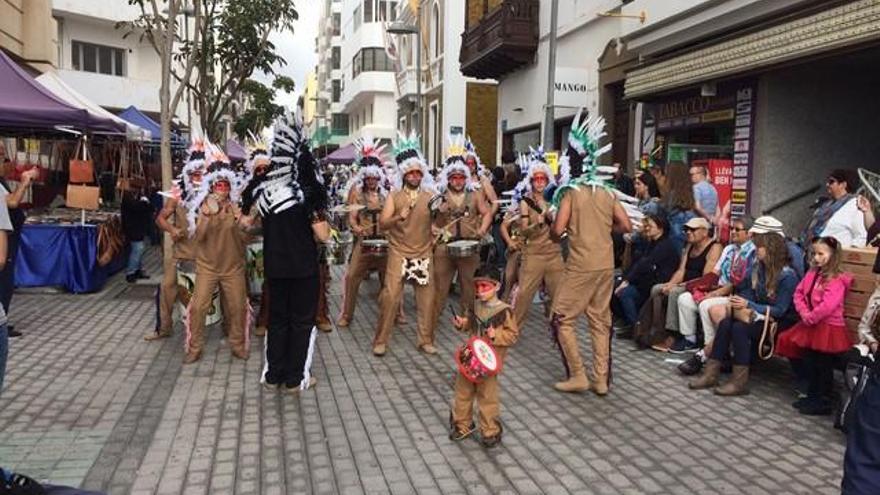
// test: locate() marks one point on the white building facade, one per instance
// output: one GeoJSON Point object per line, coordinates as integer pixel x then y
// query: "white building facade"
{"type": "Point", "coordinates": [330, 122]}
{"type": "Point", "coordinates": [97, 60]}
{"type": "Point", "coordinates": [366, 72]}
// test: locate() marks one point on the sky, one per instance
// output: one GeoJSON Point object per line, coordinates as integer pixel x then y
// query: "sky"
{"type": "Point", "coordinates": [298, 48]}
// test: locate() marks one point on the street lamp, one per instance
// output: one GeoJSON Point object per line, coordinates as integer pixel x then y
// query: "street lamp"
{"type": "Point", "coordinates": [403, 28]}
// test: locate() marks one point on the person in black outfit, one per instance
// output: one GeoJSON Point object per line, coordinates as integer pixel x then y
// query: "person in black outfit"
{"type": "Point", "coordinates": [137, 215]}
{"type": "Point", "coordinates": [292, 202]}
{"type": "Point", "coordinates": [17, 217]}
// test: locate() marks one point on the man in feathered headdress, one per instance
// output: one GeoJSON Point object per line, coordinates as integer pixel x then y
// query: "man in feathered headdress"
{"type": "Point", "coordinates": [219, 245]}
{"type": "Point", "coordinates": [479, 177]}
{"type": "Point", "coordinates": [366, 197]}
{"type": "Point", "coordinates": [588, 211]}
{"type": "Point", "coordinates": [172, 219]}
{"type": "Point", "coordinates": [460, 216]}
{"type": "Point", "coordinates": [406, 218]}
{"type": "Point", "coordinates": [292, 202]}
{"type": "Point", "coordinates": [541, 254]}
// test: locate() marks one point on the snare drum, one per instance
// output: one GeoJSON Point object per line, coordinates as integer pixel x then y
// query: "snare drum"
{"type": "Point", "coordinates": [476, 360]}
{"type": "Point", "coordinates": [255, 270]}
{"type": "Point", "coordinates": [335, 251]}
{"type": "Point", "coordinates": [463, 248]}
{"type": "Point", "coordinates": [186, 283]}
{"type": "Point", "coordinates": [374, 247]}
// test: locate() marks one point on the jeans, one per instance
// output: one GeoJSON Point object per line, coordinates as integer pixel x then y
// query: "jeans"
{"type": "Point", "coordinates": [4, 350]}
{"type": "Point", "coordinates": [627, 303]}
{"type": "Point", "coordinates": [739, 335]}
{"type": "Point", "coordinates": [135, 257]}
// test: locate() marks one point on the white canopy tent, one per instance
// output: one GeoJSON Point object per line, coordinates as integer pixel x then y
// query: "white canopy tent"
{"type": "Point", "coordinates": [51, 81]}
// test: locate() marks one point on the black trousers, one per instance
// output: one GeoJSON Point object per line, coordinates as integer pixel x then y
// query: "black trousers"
{"type": "Point", "coordinates": [7, 276]}
{"type": "Point", "coordinates": [293, 305]}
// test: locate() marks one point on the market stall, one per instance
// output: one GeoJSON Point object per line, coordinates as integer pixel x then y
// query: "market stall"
{"type": "Point", "coordinates": [74, 249]}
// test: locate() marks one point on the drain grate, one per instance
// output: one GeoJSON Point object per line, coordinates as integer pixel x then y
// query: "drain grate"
{"type": "Point", "coordinates": [138, 292]}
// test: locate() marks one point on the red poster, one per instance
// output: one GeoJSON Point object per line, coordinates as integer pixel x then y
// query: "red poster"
{"type": "Point", "coordinates": [721, 176]}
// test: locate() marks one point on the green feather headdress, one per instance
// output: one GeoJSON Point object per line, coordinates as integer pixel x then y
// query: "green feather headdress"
{"type": "Point", "coordinates": [579, 165]}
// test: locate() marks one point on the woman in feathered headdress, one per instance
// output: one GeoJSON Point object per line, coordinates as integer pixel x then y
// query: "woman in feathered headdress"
{"type": "Point", "coordinates": [479, 176]}
{"type": "Point", "coordinates": [541, 254]}
{"type": "Point", "coordinates": [292, 201]}
{"type": "Point", "coordinates": [365, 198]}
{"type": "Point", "coordinates": [461, 214]}
{"type": "Point", "coordinates": [219, 243]}
{"type": "Point", "coordinates": [588, 211]}
{"type": "Point", "coordinates": [406, 219]}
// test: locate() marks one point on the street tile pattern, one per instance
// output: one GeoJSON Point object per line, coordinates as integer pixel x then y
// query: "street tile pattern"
{"type": "Point", "coordinates": [89, 403]}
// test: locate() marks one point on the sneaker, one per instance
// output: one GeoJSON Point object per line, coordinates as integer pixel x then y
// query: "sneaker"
{"type": "Point", "coordinates": [801, 402]}
{"type": "Point", "coordinates": [692, 366]}
{"type": "Point", "coordinates": [295, 389]}
{"type": "Point", "coordinates": [683, 345]}
{"type": "Point", "coordinates": [12, 332]}
{"type": "Point", "coordinates": [816, 407]}
{"type": "Point", "coordinates": [131, 278]}
{"type": "Point", "coordinates": [624, 332]}
{"type": "Point", "coordinates": [458, 434]}
{"type": "Point", "coordinates": [270, 387]}
{"type": "Point", "coordinates": [141, 275]}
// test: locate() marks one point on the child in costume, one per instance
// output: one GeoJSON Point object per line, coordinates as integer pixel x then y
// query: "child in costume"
{"type": "Point", "coordinates": [821, 333]}
{"type": "Point", "coordinates": [495, 319]}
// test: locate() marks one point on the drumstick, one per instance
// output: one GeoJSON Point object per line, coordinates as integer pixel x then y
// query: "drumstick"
{"type": "Point", "coordinates": [443, 229]}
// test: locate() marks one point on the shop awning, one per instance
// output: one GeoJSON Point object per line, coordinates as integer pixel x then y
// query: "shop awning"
{"type": "Point", "coordinates": [51, 81]}
{"type": "Point", "coordinates": [26, 104]}
{"type": "Point", "coordinates": [235, 151]}
{"type": "Point", "coordinates": [836, 28]}
{"type": "Point", "coordinates": [138, 118]}
{"type": "Point", "coordinates": [343, 156]}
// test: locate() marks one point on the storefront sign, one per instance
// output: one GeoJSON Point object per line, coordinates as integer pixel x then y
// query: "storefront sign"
{"type": "Point", "coordinates": [743, 146]}
{"type": "Point", "coordinates": [721, 174]}
{"type": "Point", "coordinates": [571, 87]}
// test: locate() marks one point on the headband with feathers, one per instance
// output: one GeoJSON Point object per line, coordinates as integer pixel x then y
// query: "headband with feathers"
{"type": "Point", "coordinates": [455, 163]}
{"type": "Point", "coordinates": [408, 155]}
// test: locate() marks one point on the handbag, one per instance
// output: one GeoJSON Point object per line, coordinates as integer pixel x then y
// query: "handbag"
{"type": "Point", "coordinates": [767, 343]}
{"type": "Point", "coordinates": [82, 171]}
{"type": "Point", "coordinates": [83, 197]}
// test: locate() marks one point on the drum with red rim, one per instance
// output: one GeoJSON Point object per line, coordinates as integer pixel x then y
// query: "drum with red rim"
{"type": "Point", "coordinates": [476, 360]}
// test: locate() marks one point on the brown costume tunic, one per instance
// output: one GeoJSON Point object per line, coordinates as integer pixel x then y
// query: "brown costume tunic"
{"type": "Point", "coordinates": [541, 260]}
{"type": "Point", "coordinates": [360, 265]}
{"type": "Point", "coordinates": [182, 250]}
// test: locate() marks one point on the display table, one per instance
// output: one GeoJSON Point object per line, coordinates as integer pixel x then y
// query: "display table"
{"type": "Point", "coordinates": [63, 255]}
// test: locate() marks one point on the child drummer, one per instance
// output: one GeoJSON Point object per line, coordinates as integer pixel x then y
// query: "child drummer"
{"type": "Point", "coordinates": [494, 321]}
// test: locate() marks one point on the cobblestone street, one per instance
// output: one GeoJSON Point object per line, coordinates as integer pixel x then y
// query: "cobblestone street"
{"type": "Point", "coordinates": [89, 403]}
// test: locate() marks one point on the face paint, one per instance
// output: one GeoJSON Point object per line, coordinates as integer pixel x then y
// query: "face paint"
{"type": "Point", "coordinates": [457, 182]}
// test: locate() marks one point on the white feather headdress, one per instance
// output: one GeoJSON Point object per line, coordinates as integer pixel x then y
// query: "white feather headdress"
{"type": "Point", "coordinates": [455, 163]}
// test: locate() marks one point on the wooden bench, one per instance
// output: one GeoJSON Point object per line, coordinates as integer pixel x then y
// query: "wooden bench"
{"type": "Point", "coordinates": [860, 263]}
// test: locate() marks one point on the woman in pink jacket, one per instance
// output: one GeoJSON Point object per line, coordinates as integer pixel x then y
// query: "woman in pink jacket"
{"type": "Point", "coordinates": [821, 334]}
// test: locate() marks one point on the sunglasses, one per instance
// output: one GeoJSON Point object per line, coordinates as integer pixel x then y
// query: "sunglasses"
{"type": "Point", "coordinates": [737, 229]}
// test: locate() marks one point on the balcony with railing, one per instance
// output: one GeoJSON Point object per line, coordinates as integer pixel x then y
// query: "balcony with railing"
{"type": "Point", "coordinates": [502, 41]}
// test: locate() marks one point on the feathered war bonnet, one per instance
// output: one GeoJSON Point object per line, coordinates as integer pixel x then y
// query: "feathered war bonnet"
{"type": "Point", "coordinates": [258, 154]}
{"type": "Point", "coordinates": [531, 165]}
{"type": "Point", "coordinates": [184, 188]}
{"type": "Point", "coordinates": [370, 163]}
{"type": "Point", "coordinates": [280, 188]}
{"type": "Point", "coordinates": [470, 151]}
{"type": "Point", "coordinates": [579, 164]}
{"type": "Point", "coordinates": [455, 163]}
{"type": "Point", "coordinates": [408, 155]}
{"type": "Point", "coordinates": [218, 169]}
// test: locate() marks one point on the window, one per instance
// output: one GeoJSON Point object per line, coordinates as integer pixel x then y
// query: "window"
{"type": "Point", "coordinates": [371, 59]}
{"type": "Point", "coordinates": [337, 90]}
{"type": "Point", "coordinates": [100, 59]}
{"type": "Point", "coordinates": [387, 11]}
{"type": "Point", "coordinates": [436, 39]}
{"type": "Point", "coordinates": [357, 18]}
{"type": "Point", "coordinates": [336, 57]}
{"type": "Point", "coordinates": [368, 11]}
{"type": "Point", "coordinates": [337, 23]}
{"type": "Point", "coordinates": [339, 124]}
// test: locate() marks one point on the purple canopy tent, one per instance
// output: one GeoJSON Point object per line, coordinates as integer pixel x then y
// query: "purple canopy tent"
{"type": "Point", "coordinates": [26, 104]}
{"type": "Point", "coordinates": [343, 156]}
{"type": "Point", "coordinates": [235, 151]}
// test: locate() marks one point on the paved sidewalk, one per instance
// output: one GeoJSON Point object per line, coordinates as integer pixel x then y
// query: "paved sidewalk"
{"type": "Point", "coordinates": [89, 403]}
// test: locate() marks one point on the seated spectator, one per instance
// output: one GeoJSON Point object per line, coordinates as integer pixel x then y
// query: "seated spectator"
{"type": "Point", "coordinates": [705, 195]}
{"type": "Point", "coordinates": [872, 223]}
{"type": "Point", "coordinates": [771, 291]}
{"type": "Point", "coordinates": [678, 202]}
{"type": "Point", "coordinates": [821, 334]}
{"type": "Point", "coordinates": [839, 216]}
{"type": "Point", "coordinates": [699, 258]}
{"type": "Point", "coordinates": [732, 268]}
{"type": "Point", "coordinates": [656, 266]}
{"type": "Point", "coordinates": [658, 171]}
{"type": "Point", "coordinates": [647, 193]}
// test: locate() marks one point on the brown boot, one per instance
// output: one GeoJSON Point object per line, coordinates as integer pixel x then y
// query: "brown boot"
{"type": "Point", "coordinates": [192, 357]}
{"type": "Point", "coordinates": [240, 354]}
{"type": "Point", "coordinates": [600, 385]}
{"type": "Point", "coordinates": [738, 383]}
{"type": "Point", "coordinates": [157, 334]}
{"type": "Point", "coordinates": [260, 332]}
{"type": "Point", "coordinates": [708, 378]}
{"type": "Point", "coordinates": [576, 383]}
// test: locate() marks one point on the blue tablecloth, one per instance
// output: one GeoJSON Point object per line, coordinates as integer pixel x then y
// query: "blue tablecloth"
{"type": "Point", "coordinates": [62, 255]}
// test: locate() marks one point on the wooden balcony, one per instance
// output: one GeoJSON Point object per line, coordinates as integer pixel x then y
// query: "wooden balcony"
{"type": "Point", "coordinates": [503, 41]}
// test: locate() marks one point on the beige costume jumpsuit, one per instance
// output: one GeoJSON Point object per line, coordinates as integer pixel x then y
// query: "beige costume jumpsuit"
{"type": "Point", "coordinates": [486, 392]}
{"type": "Point", "coordinates": [360, 265]}
{"type": "Point", "coordinates": [588, 280]}
{"type": "Point", "coordinates": [181, 251]}
{"type": "Point", "coordinates": [408, 239]}
{"type": "Point", "coordinates": [445, 266]}
{"type": "Point", "coordinates": [220, 261]}
{"type": "Point", "coordinates": [541, 261]}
